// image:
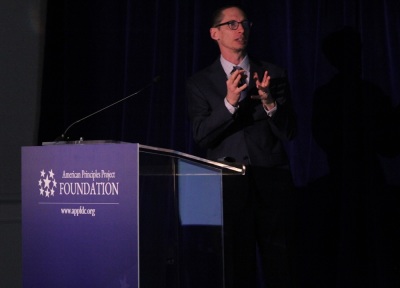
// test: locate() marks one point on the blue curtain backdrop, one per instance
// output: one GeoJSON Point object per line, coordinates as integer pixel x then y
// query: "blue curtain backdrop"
{"type": "Point", "coordinates": [345, 158]}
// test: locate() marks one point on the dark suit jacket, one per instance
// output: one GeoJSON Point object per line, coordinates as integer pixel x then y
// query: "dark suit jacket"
{"type": "Point", "coordinates": [250, 136]}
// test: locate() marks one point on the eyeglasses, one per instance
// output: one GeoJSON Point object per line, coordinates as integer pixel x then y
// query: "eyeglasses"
{"type": "Point", "coordinates": [233, 24]}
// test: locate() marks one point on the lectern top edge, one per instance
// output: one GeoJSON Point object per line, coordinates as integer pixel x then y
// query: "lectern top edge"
{"type": "Point", "coordinates": [232, 167]}
{"type": "Point", "coordinates": [237, 168]}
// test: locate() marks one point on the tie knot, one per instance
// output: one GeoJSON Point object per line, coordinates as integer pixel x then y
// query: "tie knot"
{"type": "Point", "coordinates": [236, 68]}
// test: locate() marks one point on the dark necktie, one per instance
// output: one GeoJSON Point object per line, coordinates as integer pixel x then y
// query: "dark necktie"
{"type": "Point", "coordinates": [243, 76]}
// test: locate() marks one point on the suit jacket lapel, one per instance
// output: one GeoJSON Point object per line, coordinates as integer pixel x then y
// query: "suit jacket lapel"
{"type": "Point", "coordinates": [218, 77]}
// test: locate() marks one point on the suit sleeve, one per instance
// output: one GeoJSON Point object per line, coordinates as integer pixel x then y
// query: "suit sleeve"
{"type": "Point", "coordinates": [208, 114]}
{"type": "Point", "coordinates": [283, 122]}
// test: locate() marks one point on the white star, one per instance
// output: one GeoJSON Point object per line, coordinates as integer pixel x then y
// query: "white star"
{"type": "Point", "coordinates": [54, 183]}
{"type": "Point", "coordinates": [46, 182]}
{"type": "Point", "coordinates": [42, 173]}
{"type": "Point", "coordinates": [52, 192]}
{"type": "Point", "coordinates": [51, 173]}
{"type": "Point", "coordinates": [41, 191]}
{"type": "Point", "coordinates": [40, 182]}
{"type": "Point", "coordinates": [47, 193]}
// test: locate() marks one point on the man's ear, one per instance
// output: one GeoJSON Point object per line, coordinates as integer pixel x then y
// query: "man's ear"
{"type": "Point", "coordinates": [214, 33]}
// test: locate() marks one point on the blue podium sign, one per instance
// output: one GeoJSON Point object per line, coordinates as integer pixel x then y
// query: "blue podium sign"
{"type": "Point", "coordinates": [80, 215]}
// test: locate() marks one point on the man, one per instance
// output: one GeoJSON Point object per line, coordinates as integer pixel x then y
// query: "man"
{"type": "Point", "coordinates": [244, 116]}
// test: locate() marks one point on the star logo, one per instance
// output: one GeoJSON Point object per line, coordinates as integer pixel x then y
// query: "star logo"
{"type": "Point", "coordinates": [47, 183]}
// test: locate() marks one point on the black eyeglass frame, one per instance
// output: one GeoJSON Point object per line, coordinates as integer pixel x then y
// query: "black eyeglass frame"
{"type": "Point", "coordinates": [246, 24]}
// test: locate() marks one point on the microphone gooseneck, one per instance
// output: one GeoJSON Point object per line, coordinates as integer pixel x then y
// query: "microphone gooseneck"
{"type": "Point", "coordinates": [63, 136]}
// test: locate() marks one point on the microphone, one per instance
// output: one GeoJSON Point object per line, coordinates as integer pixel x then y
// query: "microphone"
{"type": "Point", "coordinates": [62, 137]}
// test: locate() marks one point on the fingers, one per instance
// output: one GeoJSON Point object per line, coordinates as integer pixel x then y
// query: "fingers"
{"type": "Point", "coordinates": [235, 78]}
{"type": "Point", "coordinates": [264, 83]}
{"type": "Point", "coordinates": [233, 88]}
{"type": "Point", "coordinates": [260, 97]}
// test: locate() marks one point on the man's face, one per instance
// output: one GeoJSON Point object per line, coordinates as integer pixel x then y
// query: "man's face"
{"type": "Point", "coordinates": [228, 39]}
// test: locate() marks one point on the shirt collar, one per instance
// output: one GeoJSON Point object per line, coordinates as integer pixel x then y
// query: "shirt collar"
{"type": "Point", "coordinates": [227, 66]}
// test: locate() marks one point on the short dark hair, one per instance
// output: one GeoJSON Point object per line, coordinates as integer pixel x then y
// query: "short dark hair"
{"type": "Point", "coordinates": [218, 14]}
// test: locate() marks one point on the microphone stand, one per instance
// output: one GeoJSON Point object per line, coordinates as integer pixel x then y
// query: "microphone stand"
{"type": "Point", "coordinates": [63, 136]}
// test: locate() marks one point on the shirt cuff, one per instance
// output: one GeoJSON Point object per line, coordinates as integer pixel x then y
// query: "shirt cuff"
{"type": "Point", "coordinates": [271, 112]}
{"type": "Point", "coordinates": [232, 109]}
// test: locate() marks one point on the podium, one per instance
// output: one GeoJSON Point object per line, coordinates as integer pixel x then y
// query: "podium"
{"type": "Point", "coordinates": [121, 215]}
